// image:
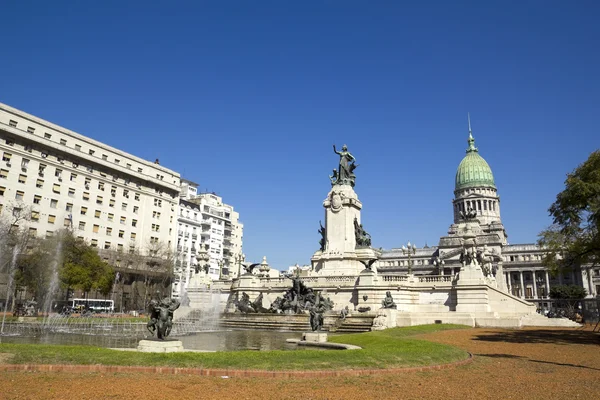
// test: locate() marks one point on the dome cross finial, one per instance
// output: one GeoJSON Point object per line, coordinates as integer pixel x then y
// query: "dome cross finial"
{"type": "Point", "coordinates": [471, 140]}
{"type": "Point", "coordinates": [469, 119]}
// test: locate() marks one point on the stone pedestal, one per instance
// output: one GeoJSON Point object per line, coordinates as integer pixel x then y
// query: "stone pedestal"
{"type": "Point", "coordinates": [315, 337]}
{"type": "Point", "coordinates": [341, 256]}
{"type": "Point", "coordinates": [160, 346]}
{"type": "Point", "coordinates": [472, 299]}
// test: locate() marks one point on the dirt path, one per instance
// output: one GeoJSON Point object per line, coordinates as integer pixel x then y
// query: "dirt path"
{"type": "Point", "coordinates": [508, 364]}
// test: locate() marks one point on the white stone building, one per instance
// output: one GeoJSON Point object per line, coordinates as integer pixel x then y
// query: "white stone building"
{"type": "Point", "coordinates": [524, 275]}
{"type": "Point", "coordinates": [112, 199]}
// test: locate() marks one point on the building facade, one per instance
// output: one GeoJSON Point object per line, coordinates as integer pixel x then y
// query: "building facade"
{"type": "Point", "coordinates": [204, 220]}
{"type": "Point", "coordinates": [117, 202]}
{"type": "Point", "coordinates": [518, 267]}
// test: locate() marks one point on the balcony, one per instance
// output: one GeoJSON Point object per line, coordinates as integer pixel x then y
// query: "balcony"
{"type": "Point", "coordinates": [187, 235]}
{"type": "Point", "coordinates": [194, 236]}
{"type": "Point", "coordinates": [206, 221]}
{"type": "Point", "coordinates": [180, 233]}
{"type": "Point", "coordinates": [193, 250]}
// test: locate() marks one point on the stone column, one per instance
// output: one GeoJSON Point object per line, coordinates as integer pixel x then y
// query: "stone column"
{"type": "Point", "coordinates": [547, 284]}
{"type": "Point", "coordinates": [522, 284]}
{"type": "Point", "coordinates": [507, 279]}
{"type": "Point", "coordinates": [590, 272]}
{"type": "Point", "coordinates": [535, 295]}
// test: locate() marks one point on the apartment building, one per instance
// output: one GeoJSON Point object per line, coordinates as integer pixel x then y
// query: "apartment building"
{"type": "Point", "coordinates": [110, 198]}
{"type": "Point", "coordinates": [204, 219]}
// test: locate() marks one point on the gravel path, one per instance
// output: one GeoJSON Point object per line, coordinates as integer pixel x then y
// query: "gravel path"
{"type": "Point", "coordinates": [509, 364]}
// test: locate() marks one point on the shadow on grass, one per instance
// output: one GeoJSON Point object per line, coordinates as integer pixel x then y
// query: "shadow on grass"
{"type": "Point", "coordinates": [542, 336]}
{"type": "Point", "coordinates": [512, 356]}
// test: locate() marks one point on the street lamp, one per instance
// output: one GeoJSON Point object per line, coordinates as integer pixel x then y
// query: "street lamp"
{"type": "Point", "coordinates": [221, 264]}
{"type": "Point", "coordinates": [409, 250]}
{"type": "Point", "coordinates": [439, 265]}
{"type": "Point", "coordinates": [540, 286]}
{"type": "Point", "coordinates": [240, 259]}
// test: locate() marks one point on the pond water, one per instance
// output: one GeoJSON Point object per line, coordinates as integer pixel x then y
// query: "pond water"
{"type": "Point", "coordinates": [225, 340]}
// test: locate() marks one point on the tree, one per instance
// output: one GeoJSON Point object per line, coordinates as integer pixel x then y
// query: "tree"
{"type": "Point", "coordinates": [14, 237]}
{"type": "Point", "coordinates": [564, 292]}
{"type": "Point", "coordinates": [34, 270]}
{"type": "Point", "coordinates": [574, 237]}
{"type": "Point", "coordinates": [82, 267]}
{"type": "Point", "coordinates": [567, 297]}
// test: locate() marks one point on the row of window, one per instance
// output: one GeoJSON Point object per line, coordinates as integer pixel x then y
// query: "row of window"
{"type": "Point", "coordinates": [63, 142]}
{"type": "Point", "coordinates": [44, 154]}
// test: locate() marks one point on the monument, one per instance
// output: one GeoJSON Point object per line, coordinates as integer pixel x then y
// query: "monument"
{"type": "Point", "coordinates": [161, 323]}
{"type": "Point", "coordinates": [355, 277]}
{"type": "Point", "coordinates": [344, 241]}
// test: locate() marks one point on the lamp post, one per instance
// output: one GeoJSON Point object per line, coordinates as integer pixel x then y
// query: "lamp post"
{"type": "Point", "coordinates": [240, 259]}
{"type": "Point", "coordinates": [439, 265]}
{"type": "Point", "coordinates": [409, 250]}
{"type": "Point", "coordinates": [221, 264]}
{"type": "Point", "coordinates": [539, 281]}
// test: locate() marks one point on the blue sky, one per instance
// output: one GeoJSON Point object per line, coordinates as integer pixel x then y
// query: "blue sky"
{"type": "Point", "coordinates": [247, 98]}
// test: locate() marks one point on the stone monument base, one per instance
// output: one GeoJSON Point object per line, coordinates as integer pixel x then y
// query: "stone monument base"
{"type": "Point", "coordinates": [315, 337]}
{"type": "Point", "coordinates": [160, 346]}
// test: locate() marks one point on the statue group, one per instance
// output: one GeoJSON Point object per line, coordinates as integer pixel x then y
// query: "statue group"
{"type": "Point", "coordinates": [245, 306]}
{"type": "Point", "coordinates": [161, 317]}
{"type": "Point", "coordinates": [344, 175]}
{"type": "Point", "coordinates": [299, 299]}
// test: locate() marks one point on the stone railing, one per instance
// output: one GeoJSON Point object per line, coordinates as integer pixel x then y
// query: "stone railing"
{"type": "Point", "coordinates": [394, 278]}
{"type": "Point", "coordinates": [347, 281]}
{"type": "Point", "coordinates": [340, 279]}
{"type": "Point", "coordinates": [435, 278]}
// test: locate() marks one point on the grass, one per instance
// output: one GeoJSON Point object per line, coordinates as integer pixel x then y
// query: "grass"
{"type": "Point", "coordinates": [391, 348]}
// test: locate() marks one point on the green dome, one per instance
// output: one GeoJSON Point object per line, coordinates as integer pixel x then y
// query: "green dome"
{"type": "Point", "coordinates": [473, 170]}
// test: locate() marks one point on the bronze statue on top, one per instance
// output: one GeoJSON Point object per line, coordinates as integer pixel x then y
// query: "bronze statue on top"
{"type": "Point", "coordinates": [344, 175]}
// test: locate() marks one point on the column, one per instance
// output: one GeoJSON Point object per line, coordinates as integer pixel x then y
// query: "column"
{"type": "Point", "coordinates": [547, 284]}
{"type": "Point", "coordinates": [522, 285]}
{"type": "Point", "coordinates": [591, 282]}
{"type": "Point", "coordinates": [535, 295]}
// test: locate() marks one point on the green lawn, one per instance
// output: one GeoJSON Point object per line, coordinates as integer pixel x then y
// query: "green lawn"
{"type": "Point", "coordinates": [390, 348]}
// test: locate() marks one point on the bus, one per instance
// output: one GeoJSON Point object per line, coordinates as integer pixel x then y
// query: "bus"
{"type": "Point", "coordinates": [80, 305]}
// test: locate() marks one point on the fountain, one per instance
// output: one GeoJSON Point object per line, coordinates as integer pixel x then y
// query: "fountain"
{"type": "Point", "coordinates": [53, 287]}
